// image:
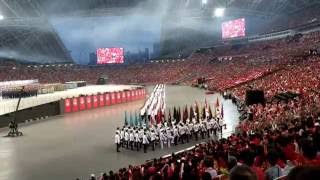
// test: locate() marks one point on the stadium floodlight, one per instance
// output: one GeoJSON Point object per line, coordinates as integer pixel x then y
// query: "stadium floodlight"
{"type": "Point", "coordinates": [1, 17]}
{"type": "Point", "coordinates": [219, 12]}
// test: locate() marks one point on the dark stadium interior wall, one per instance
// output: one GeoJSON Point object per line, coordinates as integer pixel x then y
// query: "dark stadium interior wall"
{"type": "Point", "coordinates": [49, 109]}
{"type": "Point", "coordinates": [182, 35]}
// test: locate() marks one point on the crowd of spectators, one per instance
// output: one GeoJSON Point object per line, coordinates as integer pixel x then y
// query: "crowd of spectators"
{"type": "Point", "coordinates": [281, 139]}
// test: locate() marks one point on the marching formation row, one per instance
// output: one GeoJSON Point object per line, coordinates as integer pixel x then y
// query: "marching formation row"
{"type": "Point", "coordinates": [134, 137]}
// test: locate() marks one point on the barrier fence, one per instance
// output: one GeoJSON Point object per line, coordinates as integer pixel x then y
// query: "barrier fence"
{"type": "Point", "coordinates": [86, 102]}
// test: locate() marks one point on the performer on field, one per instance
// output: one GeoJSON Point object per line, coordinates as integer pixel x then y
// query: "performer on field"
{"type": "Point", "coordinates": [145, 143]}
{"type": "Point", "coordinates": [117, 141]}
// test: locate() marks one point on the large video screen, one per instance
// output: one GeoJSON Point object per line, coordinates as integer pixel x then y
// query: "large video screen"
{"type": "Point", "coordinates": [110, 55]}
{"type": "Point", "coordinates": [234, 28]}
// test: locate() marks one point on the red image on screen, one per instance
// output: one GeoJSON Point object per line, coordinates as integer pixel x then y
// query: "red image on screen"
{"type": "Point", "coordinates": [110, 55]}
{"type": "Point", "coordinates": [233, 29]}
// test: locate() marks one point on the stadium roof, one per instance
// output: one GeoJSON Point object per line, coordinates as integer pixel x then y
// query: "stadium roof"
{"type": "Point", "coordinates": [34, 8]}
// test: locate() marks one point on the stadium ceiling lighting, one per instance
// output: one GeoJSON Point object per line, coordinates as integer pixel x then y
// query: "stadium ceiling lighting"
{"type": "Point", "coordinates": [219, 12]}
{"type": "Point", "coordinates": [1, 17]}
{"type": "Point", "coordinates": [204, 1]}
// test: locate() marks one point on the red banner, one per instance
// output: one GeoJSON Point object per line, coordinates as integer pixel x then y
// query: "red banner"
{"type": "Point", "coordinates": [118, 95]}
{"type": "Point", "coordinates": [95, 101]}
{"type": "Point", "coordinates": [67, 105]}
{"type": "Point", "coordinates": [124, 96]}
{"type": "Point", "coordinates": [113, 98]}
{"type": "Point", "coordinates": [89, 102]}
{"type": "Point", "coordinates": [128, 96]}
{"type": "Point", "coordinates": [143, 92]}
{"type": "Point", "coordinates": [133, 97]}
{"type": "Point", "coordinates": [136, 94]}
{"type": "Point", "coordinates": [101, 100]}
{"type": "Point", "coordinates": [75, 106]}
{"type": "Point", "coordinates": [82, 105]}
{"type": "Point", "coordinates": [107, 97]}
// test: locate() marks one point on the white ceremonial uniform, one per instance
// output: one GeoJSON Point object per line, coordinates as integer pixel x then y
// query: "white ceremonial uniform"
{"type": "Point", "coordinates": [141, 132]}
{"type": "Point", "coordinates": [126, 136]}
{"type": "Point", "coordinates": [181, 130]}
{"type": "Point", "coordinates": [163, 138]}
{"type": "Point", "coordinates": [145, 143]}
{"type": "Point", "coordinates": [145, 140]}
{"type": "Point", "coordinates": [169, 136]}
{"type": "Point", "coordinates": [186, 129]}
{"type": "Point", "coordinates": [117, 141]}
{"type": "Point", "coordinates": [122, 134]}
{"type": "Point", "coordinates": [131, 138]}
{"type": "Point", "coordinates": [190, 127]}
{"type": "Point", "coordinates": [136, 137]}
{"type": "Point", "coordinates": [175, 132]}
{"type": "Point", "coordinates": [196, 127]}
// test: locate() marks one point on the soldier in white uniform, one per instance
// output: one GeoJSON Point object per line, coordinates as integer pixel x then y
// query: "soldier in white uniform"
{"type": "Point", "coordinates": [175, 135]}
{"type": "Point", "coordinates": [210, 126]}
{"type": "Point", "coordinates": [117, 141]}
{"type": "Point", "coordinates": [162, 138]}
{"type": "Point", "coordinates": [137, 140]}
{"type": "Point", "coordinates": [169, 136]}
{"type": "Point", "coordinates": [203, 129]}
{"type": "Point", "coordinates": [215, 127]}
{"type": "Point", "coordinates": [182, 133]}
{"type": "Point", "coordinates": [122, 137]}
{"type": "Point", "coordinates": [145, 142]}
{"type": "Point", "coordinates": [153, 137]}
{"type": "Point", "coordinates": [196, 128]}
{"type": "Point", "coordinates": [141, 132]}
{"type": "Point", "coordinates": [187, 132]}
{"type": "Point", "coordinates": [190, 128]}
{"type": "Point", "coordinates": [206, 123]}
{"type": "Point", "coordinates": [126, 138]}
{"type": "Point", "coordinates": [131, 139]}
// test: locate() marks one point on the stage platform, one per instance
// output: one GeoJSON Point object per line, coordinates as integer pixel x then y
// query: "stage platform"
{"type": "Point", "coordinates": [9, 105]}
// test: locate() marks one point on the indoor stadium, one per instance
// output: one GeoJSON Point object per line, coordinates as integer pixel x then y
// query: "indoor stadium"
{"type": "Point", "coordinates": [159, 89]}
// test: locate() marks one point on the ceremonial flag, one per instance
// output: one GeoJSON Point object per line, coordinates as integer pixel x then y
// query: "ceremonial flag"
{"type": "Point", "coordinates": [210, 112]}
{"type": "Point", "coordinates": [158, 117]}
{"type": "Point", "coordinates": [143, 120]}
{"type": "Point", "coordinates": [179, 115]}
{"type": "Point", "coordinates": [131, 120]}
{"type": "Point", "coordinates": [125, 119]}
{"type": "Point", "coordinates": [203, 113]}
{"type": "Point", "coordinates": [191, 113]}
{"type": "Point", "coordinates": [175, 113]}
{"type": "Point", "coordinates": [169, 117]}
{"type": "Point", "coordinates": [205, 103]}
{"type": "Point", "coordinates": [185, 114]}
{"type": "Point", "coordinates": [136, 122]}
{"type": "Point", "coordinates": [222, 111]}
{"type": "Point", "coordinates": [217, 103]}
{"type": "Point", "coordinates": [197, 111]}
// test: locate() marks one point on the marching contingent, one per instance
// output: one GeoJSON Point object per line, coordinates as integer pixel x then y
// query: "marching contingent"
{"type": "Point", "coordinates": [165, 134]}
{"type": "Point", "coordinates": [168, 131]}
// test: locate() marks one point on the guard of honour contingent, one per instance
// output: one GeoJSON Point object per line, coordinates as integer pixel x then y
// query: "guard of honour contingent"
{"type": "Point", "coordinates": [157, 131]}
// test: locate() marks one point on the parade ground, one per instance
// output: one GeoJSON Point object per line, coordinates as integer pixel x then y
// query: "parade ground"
{"type": "Point", "coordinates": [78, 144]}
